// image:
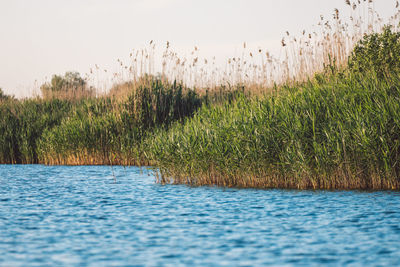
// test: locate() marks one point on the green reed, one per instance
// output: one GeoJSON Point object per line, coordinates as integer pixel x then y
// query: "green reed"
{"type": "Point", "coordinates": [102, 130]}
{"type": "Point", "coordinates": [340, 134]}
{"type": "Point", "coordinates": [111, 131]}
{"type": "Point", "coordinates": [339, 130]}
{"type": "Point", "coordinates": [22, 124]}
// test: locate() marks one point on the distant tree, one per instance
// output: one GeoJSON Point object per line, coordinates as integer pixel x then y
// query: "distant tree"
{"type": "Point", "coordinates": [378, 52]}
{"type": "Point", "coordinates": [4, 96]}
{"type": "Point", "coordinates": [70, 86]}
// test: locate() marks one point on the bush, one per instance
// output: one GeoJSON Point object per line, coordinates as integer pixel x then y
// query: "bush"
{"type": "Point", "coordinates": [4, 96]}
{"type": "Point", "coordinates": [69, 86]}
{"type": "Point", "coordinates": [379, 53]}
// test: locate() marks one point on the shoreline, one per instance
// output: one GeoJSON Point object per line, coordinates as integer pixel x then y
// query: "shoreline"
{"type": "Point", "coordinates": [261, 183]}
{"type": "Point", "coordinates": [338, 130]}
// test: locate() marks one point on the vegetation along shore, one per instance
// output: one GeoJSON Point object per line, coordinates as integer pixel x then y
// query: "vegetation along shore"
{"type": "Point", "coordinates": [326, 116]}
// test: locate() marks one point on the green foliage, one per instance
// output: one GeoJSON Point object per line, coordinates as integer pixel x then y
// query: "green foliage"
{"type": "Point", "coordinates": [77, 134]}
{"type": "Point", "coordinates": [4, 96]}
{"type": "Point", "coordinates": [339, 130]}
{"type": "Point", "coordinates": [350, 125]}
{"type": "Point", "coordinates": [58, 131]}
{"type": "Point", "coordinates": [378, 53]}
{"type": "Point", "coordinates": [104, 127]}
{"type": "Point", "coordinates": [22, 125]}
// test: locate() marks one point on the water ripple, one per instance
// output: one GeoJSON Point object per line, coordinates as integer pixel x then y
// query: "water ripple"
{"type": "Point", "coordinates": [80, 216]}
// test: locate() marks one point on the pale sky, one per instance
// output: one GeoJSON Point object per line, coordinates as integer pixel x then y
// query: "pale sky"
{"type": "Point", "coordinates": [39, 38]}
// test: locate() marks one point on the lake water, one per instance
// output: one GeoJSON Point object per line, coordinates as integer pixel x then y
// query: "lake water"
{"type": "Point", "coordinates": [83, 216]}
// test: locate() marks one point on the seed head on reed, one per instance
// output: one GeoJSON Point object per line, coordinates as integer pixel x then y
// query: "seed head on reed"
{"type": "Point", "coordinates": [336, 14]}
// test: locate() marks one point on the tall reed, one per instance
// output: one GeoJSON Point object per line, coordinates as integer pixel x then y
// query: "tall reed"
{"type": "Point", "coordinates": [327, 121]}
{"type": "Point", "coordinates": [111, 131]}
{"type": "Point", "coordinates": [338, 134]}
{"type": "Point", "coordinates": [339, 130]}
{"type": "Point", "coordinates": [22, 124]}
{"type": "Point", "coordinates": [301, 55]}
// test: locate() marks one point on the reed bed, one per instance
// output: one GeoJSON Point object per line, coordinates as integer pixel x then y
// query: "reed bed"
{"type": "Point", "coordinates": [339, 130]}
{"type": "Point", "coordinates": [21, 126]}
{"type": "Point", "coordinates": [78, 129]}
{"type": "Point", "coordinates": [341, 133]}
{"type": "Point", "coordinates": [324, 114]}
{"type": "Point", "coordinates": [111, 131]}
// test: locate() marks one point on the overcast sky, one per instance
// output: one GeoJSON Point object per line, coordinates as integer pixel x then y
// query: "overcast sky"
{"type": "Point", "coordinates": [39, 38]}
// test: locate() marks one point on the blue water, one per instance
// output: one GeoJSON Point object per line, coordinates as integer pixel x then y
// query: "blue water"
{"type": "Point", "coordinates": [76, 216]}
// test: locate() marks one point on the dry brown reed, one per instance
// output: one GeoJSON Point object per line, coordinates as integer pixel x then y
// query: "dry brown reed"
{"type": "Point", "coordinates": [330, 42]}
{"type": "Point", "coordinates": [340, 179]}
{"type": "Point", "coordinates": [85, 157]}
{"type": "Point", "coordinates": [70, 93]}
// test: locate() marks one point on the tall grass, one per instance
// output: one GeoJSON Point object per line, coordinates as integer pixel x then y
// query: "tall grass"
{"type": "Point", "coordinates": [111, 131]}
{"type": "Point", "coordinates": [22, 124]}
{"type": "Point", "coordinates": [105, 130]}
{"type": "Point", "coordinates": [330, 133]}
{"type": "Point", "coordinates": [312, 118]}
{"type": "Point", "coordinates": [302, 55]}
{"type": "Point", "coordinates": [339, 130]}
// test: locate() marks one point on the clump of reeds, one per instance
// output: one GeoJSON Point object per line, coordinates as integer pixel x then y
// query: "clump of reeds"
{"type": "Point", "coordinates": [101, 130]}
{"type": "Point", "coordinates": [22, 124]}
{"type": "Point", "coordinates": [339, 130]}
{"type": "Point", "coordinates": [337, 135]}
{"type": "Point", "coordinates": [107, 131]}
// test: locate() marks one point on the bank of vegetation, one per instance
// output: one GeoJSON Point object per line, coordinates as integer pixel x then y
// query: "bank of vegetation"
{"type": "Point", "coordinates": [327, 116]}
{"type": "Point", "coordinates": [339, 130]}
